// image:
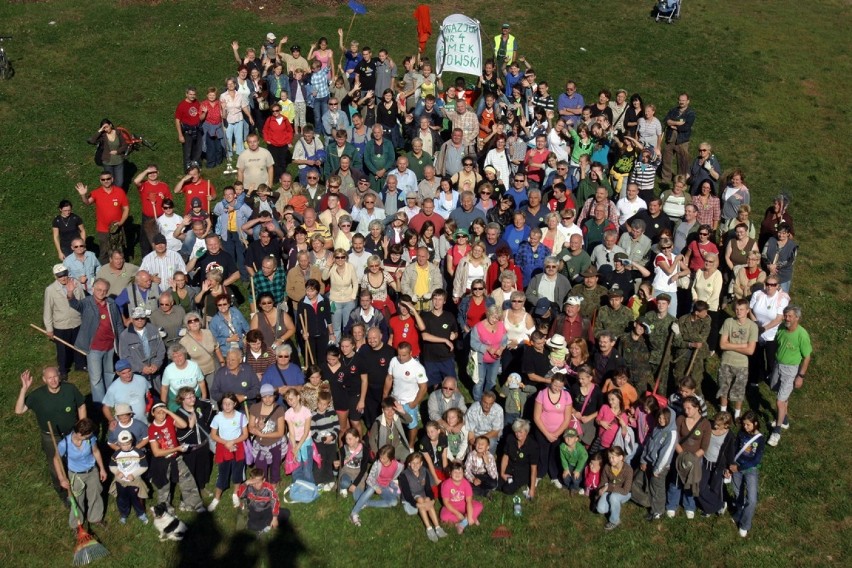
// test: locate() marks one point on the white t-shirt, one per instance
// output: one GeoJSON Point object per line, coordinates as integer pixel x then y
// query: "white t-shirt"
{"type": "Point", "coordinates": [766, 309]}
{"type": "Point", "coordinates": [189, 376]}
{"type": "Point", "coordinates": [167, 225]}
{"type": "Point", "coordinates": [627, 208]}
{"type": "Point", "coordinates": [558, 146]}
{"type": "Point", "coordinates": [406, 379]}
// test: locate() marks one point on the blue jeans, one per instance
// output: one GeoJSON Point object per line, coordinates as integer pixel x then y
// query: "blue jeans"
{"type": "Point", "coordinates": [213, 150]}
{"type": "Point", "coordinates": [235, 247]}
{"type": "Point", "coordinates": [785, 286]}
{"type": "Point", "coordinates": [746, 497]}
{"type": "Point", "coordinates": [305, 458]}
{"type": "Point", "coordinates": [488, 373]}
{"type": "Point", "coordinates": [573, 483]}
{"type": "Point", "coordinates": [101, 373]}
{"type": "Point", "coordinates": [673, 497]}
{"type": "Point", "coordinates": [234, 136]}
{"type": "Point", "coordinates": [340, 317]}
{"type": "Point", "coordinates": [387, 498]}
{"type": "Point", "coordinates": [320, 106]}
{"type": "Point", "coordinates": [611, 503]}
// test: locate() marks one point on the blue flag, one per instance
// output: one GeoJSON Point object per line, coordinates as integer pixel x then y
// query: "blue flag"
{"type": "Point", "coordinates": [357, 7]}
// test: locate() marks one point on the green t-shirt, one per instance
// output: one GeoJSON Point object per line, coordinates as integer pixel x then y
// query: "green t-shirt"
{"type": "Point", "coordinates": [738, 335]}
{"type": "Point", "coordinates": [793, 346]}
{"type": "Point", "coordinates": [59, 409]}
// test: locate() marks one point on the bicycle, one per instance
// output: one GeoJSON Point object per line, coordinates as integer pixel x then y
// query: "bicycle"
{"type": "Point", "coordinates": [6, 69]}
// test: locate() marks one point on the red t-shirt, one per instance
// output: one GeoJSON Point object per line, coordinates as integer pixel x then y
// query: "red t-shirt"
{"type": "Point", "coordinates": [108, 207]}
{"type": "Point", "coordinates": [214, 112]}
{"type": "Point", "coordinates": [164, 434]}
{"type": "Point", "coordinates": [104, 338]}
{"type": "Point", "coordinates": [405, 330]}
{"type": "Point", "coordinates": [158, 192]}
{"type": "Point", "coordinates": [200, 189]}
{"type": "Point", "coordinates": [188, 113]}
{"type": "Point", "coordinates": [475, 313]}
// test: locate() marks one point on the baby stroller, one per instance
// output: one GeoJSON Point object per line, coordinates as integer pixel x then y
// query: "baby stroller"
{"type": "Point", "coordinates": [667, 10]}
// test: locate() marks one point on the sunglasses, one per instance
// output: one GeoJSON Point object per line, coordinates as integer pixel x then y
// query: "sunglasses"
{"type": "Point", "coordinates": [266, 303]}
{"type": "Point", "coordinates": [517, 301]}
{"type": "Point", "coordinates": [194, 320]}
{"type": "Point", "coordinates": [485, 193]}
{"type": "Point", "coordinates": [275, 110]}
{"type": "Point", "coordinates": [106, 179]}
{"type": "Point", "coordinates": [165, 304]}
{"type": "Point", "coordinates": [79, 246]}
{"type": "Point", "coordinates": [771, 285]}
{"type": "Point", "coordinates": [477, 289]}
{"type": "Point", "coordinates": [224, 305]}
{"type": "Point", "coordinates": [333, 186]}
{"type": "Point", "coordinates": [313, 177]}
{"type": "Point", "coordinates": [339, 258]}
{"type": "Point", "coordinates": [283, 357]}
{"type": "Point", "coordinates": [704, 234]}
{"type": "Point", "coordinates": [168, 206]}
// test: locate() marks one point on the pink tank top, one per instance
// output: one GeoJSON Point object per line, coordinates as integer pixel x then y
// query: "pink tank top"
{"type": "Point", "coordinates": [492, 339]}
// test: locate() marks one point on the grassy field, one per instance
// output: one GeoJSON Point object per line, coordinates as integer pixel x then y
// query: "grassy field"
{"type": "Point", "coordinates": [769, 82]}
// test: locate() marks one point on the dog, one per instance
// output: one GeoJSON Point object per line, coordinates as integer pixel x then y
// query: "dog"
{"type": "Point", "coordinates": [169, 526]}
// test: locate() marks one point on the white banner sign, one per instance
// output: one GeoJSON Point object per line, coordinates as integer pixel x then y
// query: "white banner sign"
{"type": "Point", "coordinates": [459, 46]}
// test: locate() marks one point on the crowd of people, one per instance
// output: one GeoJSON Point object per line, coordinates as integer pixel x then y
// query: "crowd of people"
{"type": "Point", "coordinates": [396, 241]}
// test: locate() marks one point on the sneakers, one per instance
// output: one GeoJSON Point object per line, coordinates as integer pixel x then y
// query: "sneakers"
{"type": "Point", "coordinates": [326, 487]}
{"type": "Point", "coordinates": [440, 532]}
{"type": "Point", "coordinates": [785, 425]}
{"type": "Point", "coordinates": [670, 514]}
{"type": "Point", "coordinates": [431, 534]}
{"type": "Point", "coordinates": [610, 526]}
{"type": "Point", "coordinates": [184, 508]}
{"type": "Point", "coordinates": [743, 533]}
{"type": "Point", "coordinates": [212, 506]}
{"type": "Point", "coordinates": [123, 520]}
{"type": "Point", "coordinates": [651, 517]}
{"type": "Point", "coordinates": [556, 483]}
{"type": "Point", "coordinates": [774, 439]}
{"type": "Point", "coordinates": [344, 493]}
{"type": "Point", "coordinates": [690, 514]}
{"type": "Point", "coordinates": [235, 500]}
{"type": "Point", "coordinates": [143, 519]}
{"type": "Point", "coordinates": [581, 492]}
{"type": "Point", "coordinates": [356, 520]}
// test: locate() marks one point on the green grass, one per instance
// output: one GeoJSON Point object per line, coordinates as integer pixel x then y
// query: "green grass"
{"type": "Point", "coordinates": [770, 84]}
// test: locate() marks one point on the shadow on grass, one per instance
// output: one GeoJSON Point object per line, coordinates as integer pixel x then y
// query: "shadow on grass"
{"type": "Point", "coordinates": [205, 545]}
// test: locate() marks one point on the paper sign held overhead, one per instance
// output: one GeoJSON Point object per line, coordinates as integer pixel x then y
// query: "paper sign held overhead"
{"type": "Point", "coordinates": [459, 46]}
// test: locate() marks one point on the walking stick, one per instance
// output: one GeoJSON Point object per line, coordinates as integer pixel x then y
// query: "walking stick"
{"type": "Point", "coordinates": [88, 549]}
{"type": "Point", "coordinates": [692, 359]}
{"type": "Point", "coordinates": [253, 293]}
{"type": "Point", "coordinates": [309, 355]}
{"type": "Point", "coordinates": [62, 341]}
{"type": "Point", "coordinates": [343, 53]}
{"type": "Point", "coordinates": [666, 352]}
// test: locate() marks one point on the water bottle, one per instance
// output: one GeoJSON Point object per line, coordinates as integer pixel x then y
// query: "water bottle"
{"type": "Point", "coordinates": [516, 508]}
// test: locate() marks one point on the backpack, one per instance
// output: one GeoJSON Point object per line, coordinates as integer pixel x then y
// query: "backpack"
{"type": "Point", "coordinates": [302, 491]}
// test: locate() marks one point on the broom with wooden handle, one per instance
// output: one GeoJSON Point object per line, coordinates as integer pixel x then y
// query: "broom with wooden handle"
{"type": "Point", "coordinates": [502, 531]}
{"type": "Point", "coordinates": [88, 549]}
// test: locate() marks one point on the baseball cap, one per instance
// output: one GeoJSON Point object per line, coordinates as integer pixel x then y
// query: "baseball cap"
{"type": "Point", "coordinates": [122, 364]}
{"type": "Point", "coordinates": [570, 433]}
{"type": "Point", "coordinates": [266, 390]}
{"type": "Point", "coordinates": [541, 307]}
{"type": "Point", "coordinates": [196, 202]}
{"type": "Point", "coordinates": [619, 256]}
{"type": "Point", "coordinates": [574, 300]}
{"type": "Point", "coordinates": [270, 36]}
{"type": "Point", "coordinates": [616, 292]}
{"type": "Point", "coordinates": [295, 48]}
{"type": "Point", "coordinates": [125, 437]}
{"type": "Point", "coordinates": [158, 405]}
{"type": "Point", "coordinates": [60, 270]}
{"type": "Point", "coordinates": [505, 26]}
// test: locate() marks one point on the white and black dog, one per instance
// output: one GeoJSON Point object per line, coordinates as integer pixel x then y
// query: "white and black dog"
{"type": "Point", "coordinates": [169, 526]}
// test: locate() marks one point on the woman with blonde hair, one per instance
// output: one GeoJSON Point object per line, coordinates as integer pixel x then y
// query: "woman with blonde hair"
{"type": "Point", "coordinates": [551, 236]}
{"type": "Point", "coordinates": [343, 289]}
{"type": "Point", "coordinates": [473, 266]}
